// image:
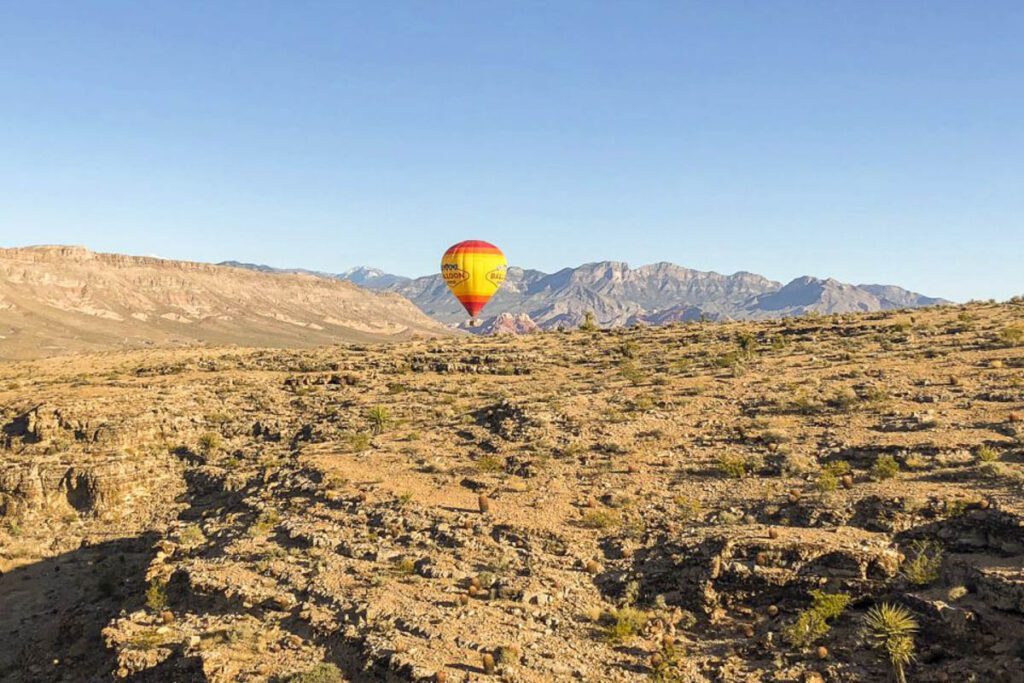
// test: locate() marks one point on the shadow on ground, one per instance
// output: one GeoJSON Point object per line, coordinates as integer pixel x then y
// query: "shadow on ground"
{"type": "Point", "coordinates": [53, 611]}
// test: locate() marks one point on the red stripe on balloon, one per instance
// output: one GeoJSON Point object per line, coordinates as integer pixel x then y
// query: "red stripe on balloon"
{"type": "Point", "coordinates": [473, 307]}
{"type": "Point", "coordinates": [473, 247]}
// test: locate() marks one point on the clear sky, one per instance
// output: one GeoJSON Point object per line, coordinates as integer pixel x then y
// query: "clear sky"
{"type": "Point", "coordinates": [869, 141]}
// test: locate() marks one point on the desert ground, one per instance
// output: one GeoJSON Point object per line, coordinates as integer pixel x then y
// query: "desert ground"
{"type": "Point", "coordinates": [812, 499]}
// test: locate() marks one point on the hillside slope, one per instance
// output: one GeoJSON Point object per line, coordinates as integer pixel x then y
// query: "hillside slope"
{"type": "Point", "coordinates": [57, 300]}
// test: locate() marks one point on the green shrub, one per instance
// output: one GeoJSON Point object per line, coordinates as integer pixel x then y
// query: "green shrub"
{"type": "Point", "coordinates": [323, 672]}
{"type": "Point", "coordinates": [747, 343]}
{"type": "Point", "coordinates": [805, 405]}
{"type": "Point", "coordinates": [265, 523]}
{"type": "Point", "coordinates": [775, 437]}
{"type": "Point", "coordinates": [827, 482]}
{"type": "Point", "coordinates": [689, 508]}
{"type": "Point", "coordinates": [922, 568]}
{"type": "Point", "coordinates": [812, 624]}
{"type": "Point", "coordinates": [210, 443]}
{"type": "Point", "coordinates": [191, 536]}
{"type": "Point", "coordinates": [589, 323]}
{"type": "Point", "coordinates": [404, 566]}
{"type": "Point", "coordinates": [641, 404]}
{"type": "Point", "coordinates": [829, 605]}
{"type": "Point", "coordinates": [666, 664]}
{"type": "Point", "coordinates": [808, 628]}
{"type": "Point", "coordinates": [1012, 336]}
{"type": "Point", "coordinates": [731, 465]}
{"type": "Point", "coordinates": [629, 371]}
{"type": "Point", "coordinates": [885, 467]}
{"type": "Point", "coordinates": [156, 596]}
{"type": "Point", "coordinates": [147, 639]}
{"type": "Point", "coordinates": [622, 625]}
{"type": "Point", "coordinates": [838, 468]}
{"type": "Point", "coordinates": [844, 399]}
{"type": "Point", "coordinates": [987, 454]}
{"type": "Point", "coordinates": [828, 478]}
{"type": "Point", "coordinates": [915, 461]}
{"type": "Point", "coordinates": [599, 519]}
{"type": "Point", "coordinates": [490, 463]}
{"type": "Point", "coordinates": [357, 442]}
{"type": "Point", "coordinates": [874, 394]}
{"type": "Point", "coordinates": [729, 361]}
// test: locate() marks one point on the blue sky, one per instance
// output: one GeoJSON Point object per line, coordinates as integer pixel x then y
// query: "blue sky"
{"type": "Point", "coordinates": [869, 141]}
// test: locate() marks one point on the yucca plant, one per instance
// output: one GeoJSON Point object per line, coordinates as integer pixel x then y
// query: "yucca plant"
{"type": "Point", "coordinates": [589, 323]}
{"type": "Point", "coordinates": [379, 418]}
{"type": "Point", "coordinates": [891, 628]}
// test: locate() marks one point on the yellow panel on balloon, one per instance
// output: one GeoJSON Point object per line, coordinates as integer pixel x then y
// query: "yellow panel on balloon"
{"type": "Point", "coordinates": [473, 270]}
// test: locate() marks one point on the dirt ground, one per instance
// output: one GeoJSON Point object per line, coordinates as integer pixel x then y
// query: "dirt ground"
{"type": "Point", "coordinates": [640, 504]}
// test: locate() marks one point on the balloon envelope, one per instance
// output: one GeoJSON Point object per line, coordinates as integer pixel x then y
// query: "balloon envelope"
{"type": "Point", "coordinates": [473, 270]}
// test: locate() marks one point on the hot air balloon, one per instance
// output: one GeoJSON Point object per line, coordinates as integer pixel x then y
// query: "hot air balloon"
{"type": "Point", "coordinates": [473, 270]}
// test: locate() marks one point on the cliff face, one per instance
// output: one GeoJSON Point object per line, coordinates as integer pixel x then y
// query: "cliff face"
{"type": "Point", "coordinates": [59, 299]}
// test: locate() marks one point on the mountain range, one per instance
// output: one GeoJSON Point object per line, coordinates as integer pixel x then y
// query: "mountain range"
{"type": "Point", "coordinates": [658, 293]}
{"type": "Point", "coordinates": [58, 299]}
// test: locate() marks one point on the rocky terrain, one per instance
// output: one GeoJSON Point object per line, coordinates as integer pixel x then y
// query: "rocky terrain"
{"type": "Point", "coordinates": [654, 294]}
{"type": "Point", "coordinates": [58, 300]}
{"type": "Point", "coordinates": [821, 498]}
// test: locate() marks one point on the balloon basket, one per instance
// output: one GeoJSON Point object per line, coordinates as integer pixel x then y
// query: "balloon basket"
{"type": "Point", "coordinates": [475, 322]}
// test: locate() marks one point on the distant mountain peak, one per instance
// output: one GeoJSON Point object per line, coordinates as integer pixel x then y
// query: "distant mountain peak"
{"type": "Point", "coordinates": [362, 271]}
{"type": "Point", "coordinates": [655, 293]}
{"type": "Point", "coordinates": [373, 278]}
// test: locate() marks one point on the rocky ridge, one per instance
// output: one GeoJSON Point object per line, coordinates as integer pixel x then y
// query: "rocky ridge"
{"type": "Point", "coordinates": [59, 300]}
